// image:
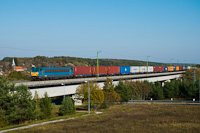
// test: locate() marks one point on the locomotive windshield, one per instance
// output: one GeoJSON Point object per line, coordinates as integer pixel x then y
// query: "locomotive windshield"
{"type": "Point", "coordinates": [34, 69]}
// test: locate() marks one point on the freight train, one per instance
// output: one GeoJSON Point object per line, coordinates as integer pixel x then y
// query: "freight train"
{"type": "Point", "coordinates": [42, 73]}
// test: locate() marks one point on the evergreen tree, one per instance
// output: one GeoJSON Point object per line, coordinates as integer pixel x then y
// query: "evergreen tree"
{"type": "Point", "coordinates": [124, 91]}
{"type": "Point", "coordinates": [39, 114]}
{"type": "Point", "coordinates": [67, 106]}
{"type": "Point", "coordinates": [16, 102]}
{"type": "Point", "coordinates": [46, 106]}
{"type": "Point", "coordinates": [157, 91]}
{"type": "Point", "coordinates": [169, 90]}
{"type": "Point", "coordinates": [26, 105]}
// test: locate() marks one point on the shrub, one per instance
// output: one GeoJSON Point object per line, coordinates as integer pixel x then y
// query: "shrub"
{"type": "Point", "coordinates": [67, 107]}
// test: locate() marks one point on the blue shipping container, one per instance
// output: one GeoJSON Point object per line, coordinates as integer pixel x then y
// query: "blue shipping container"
{"type": "Point", "coordinates": [174, 68]}
{"type": "Point", "coordinates": [125, 70]}
{"type": "Point", "coordinates": [165, 69]}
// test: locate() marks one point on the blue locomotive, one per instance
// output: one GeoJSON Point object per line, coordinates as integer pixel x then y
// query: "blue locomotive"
{"type": "Point", "coordinates": [51, 72]}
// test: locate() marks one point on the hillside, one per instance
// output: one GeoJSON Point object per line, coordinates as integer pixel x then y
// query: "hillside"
{"type": "Point", "coordinates": [70, 61]}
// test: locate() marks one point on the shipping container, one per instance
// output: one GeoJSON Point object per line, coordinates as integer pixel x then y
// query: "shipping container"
{"type": "Point", "coordinates": [161, 69]}
{"type": "Point", "coordinates": [174, 68]}
{"type": "Point", "coordinates": [103, 70]}
{"type": "Point", "coordinates": [134, 69]}
{"type": "Point", "coordinates": [113, 70]}
{"type": "Point", "coordinates": [80, 71]}
{"type": "Point", "coordinates": [156, 69]}
{"type": "Point", "coordinates": [185, 68]}
{"type": "Point", "coordinates": [188, 67]}
{"type": "Point", "coordinates": [166, 69]}
{"type": "Point", "coordinates": [180, 68]}
{"type": "Point", "coordinates": [143, 69]}
{"type": "Point", "coordinates": [150, 69]}
{"type": "Point", "coordinates": [170, 68]}
{"type": "Point", "coordinates": [177, 68]}
{"type": "Point", "coordinates": [125, 70]}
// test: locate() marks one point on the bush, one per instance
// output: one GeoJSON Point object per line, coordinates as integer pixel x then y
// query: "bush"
{"type": "Point", "coordinates": [67, 107]}
{"type": "Point", "coordinates": [104, 105]}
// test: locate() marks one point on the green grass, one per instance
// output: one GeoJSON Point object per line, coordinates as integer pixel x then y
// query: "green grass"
{"type": "Point", "coordinates": [54, 117]}
{"type": "Point", "coordinates": [131, 118]}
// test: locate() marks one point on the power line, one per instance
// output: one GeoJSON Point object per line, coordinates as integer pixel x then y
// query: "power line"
{"type": "Point", "coordinates": [41, 50]}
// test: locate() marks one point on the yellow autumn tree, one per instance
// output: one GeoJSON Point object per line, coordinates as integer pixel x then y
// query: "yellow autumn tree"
{"type": "Point", "coordinates": [96, 94]}
{"type": "Point", "coordinates": [110, 96]}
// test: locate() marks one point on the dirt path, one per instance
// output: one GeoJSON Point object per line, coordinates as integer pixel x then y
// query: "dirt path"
{"type": "Point", "coordinates": [39, 124]}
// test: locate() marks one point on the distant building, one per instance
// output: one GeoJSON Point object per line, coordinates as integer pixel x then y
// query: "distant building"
{"type": "Point", "coordinates": [1, 72]}
{"type": "Point", "coordinates": [19, 68]}
{"type": "Point", "coordinates": [13, 64]}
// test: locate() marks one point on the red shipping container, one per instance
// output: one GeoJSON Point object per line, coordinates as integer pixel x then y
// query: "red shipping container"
{"type": "Point", "coordinates": [156, 69]}
{"type": "Point", "coordinates": [161, 69]}
{"type": "Point", "coordinates": [113, 70]}
{"type": "Point", "coordinates": [103, 70]}
{"type": "Point", "coordinates": [82, 71]}
{"type": "Point", "coordinates": [181, 68]}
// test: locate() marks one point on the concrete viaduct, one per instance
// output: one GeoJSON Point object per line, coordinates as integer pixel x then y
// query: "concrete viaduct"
{"type": "Point", "coordinates": [56, 88]}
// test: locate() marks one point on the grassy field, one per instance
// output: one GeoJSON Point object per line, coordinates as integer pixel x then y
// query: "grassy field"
{"type": "Point", "coordinates": [132, 118]}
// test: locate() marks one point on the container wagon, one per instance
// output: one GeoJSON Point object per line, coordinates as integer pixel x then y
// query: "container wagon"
{"type": "Point", "coordinates": [143, 69]}
{"type": "Point", "coordinates": [170, 68]}
{"type": "Point", "coordinates": [103, 70]}
{"type": "Point", "coordinates": [150, 69]}
{"type": "Point", "coordinates": [174, 68]}
{"type": "Point", "coordinates": [125, 70]}
{"type": "Point", "coordinates": [180, 68]}
{"type": "Point", "coordinates": [166, 69]}
{"type": "Point", "coordinates": [113, 70]}
{"type": "Point", "coordinates": [134, 69]}
{"type": "Point", "coordinates": [156, 69]}
{"type": "Point", "coordinates": [82, 71]}
{"type": "Point", "coordinates": [177, 68]}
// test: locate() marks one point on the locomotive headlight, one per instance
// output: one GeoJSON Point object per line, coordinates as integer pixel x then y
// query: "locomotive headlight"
{"type": "Point", "coordinates": [34, 74]}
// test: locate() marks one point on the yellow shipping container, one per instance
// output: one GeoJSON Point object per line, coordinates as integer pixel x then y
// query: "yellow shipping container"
{"type": "Point", "coordinates": [177, 68]}
{"type": "Point", "coordinates": [170, 68]}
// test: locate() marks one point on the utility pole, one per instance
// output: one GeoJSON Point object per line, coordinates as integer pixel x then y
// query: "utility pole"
{"type": "Point", "coordinates": [88, 96]}
{"type": "Point", "coordinates": [147, 63]}
{"type": "Point", "coordinates": [199, 88]}
{"type": "Point", "coordinates": [98, 63]}
{"type": "Point", "coordinates": [194, 78]}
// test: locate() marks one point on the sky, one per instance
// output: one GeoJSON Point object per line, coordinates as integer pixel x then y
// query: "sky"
{"type": "Point", "coordinates": [165, 30]}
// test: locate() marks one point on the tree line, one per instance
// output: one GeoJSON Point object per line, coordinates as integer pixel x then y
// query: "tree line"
{"type": "Point", "coordinates": [183, 88]}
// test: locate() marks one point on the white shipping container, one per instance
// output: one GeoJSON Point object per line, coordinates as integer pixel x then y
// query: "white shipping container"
{"type": "Point", "coordinates": [134, 69]}
{"type": "Point", "coordinates": [150, 69]}
{"type": "Point", "coordinates": [143, 69]}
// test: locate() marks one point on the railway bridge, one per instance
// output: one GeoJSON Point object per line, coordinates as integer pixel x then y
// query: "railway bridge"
{"type": "Point", "coordinates": [63, 87]}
